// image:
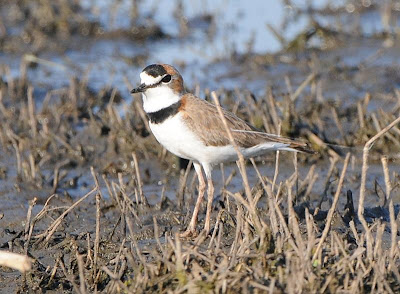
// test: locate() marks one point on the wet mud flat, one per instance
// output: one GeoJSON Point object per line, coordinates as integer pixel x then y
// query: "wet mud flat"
{"type": "Point", "coordinates": [89, 195]}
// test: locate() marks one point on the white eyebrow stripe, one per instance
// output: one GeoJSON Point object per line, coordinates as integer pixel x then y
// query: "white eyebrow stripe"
{"type": "Point", "coordinates": [149, 80]}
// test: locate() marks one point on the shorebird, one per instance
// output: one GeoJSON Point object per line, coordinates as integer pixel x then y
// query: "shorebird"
{"type": "Point", "coordinates": [191, 128]}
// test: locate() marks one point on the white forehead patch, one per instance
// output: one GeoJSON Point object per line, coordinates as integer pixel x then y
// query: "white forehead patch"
{"type": "Point", "coordinates": [149, 80]}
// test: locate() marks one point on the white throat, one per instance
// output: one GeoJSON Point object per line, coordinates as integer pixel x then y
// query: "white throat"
{"type": "Point", "coordinates": [155, 99]}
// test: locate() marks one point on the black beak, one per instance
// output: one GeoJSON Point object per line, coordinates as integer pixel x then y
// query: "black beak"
{"type": "Point", "coordinates": [139, 89]}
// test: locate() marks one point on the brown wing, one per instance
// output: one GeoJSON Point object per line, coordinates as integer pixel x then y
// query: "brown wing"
{"type": "Point", "coordinates": [203, 118]}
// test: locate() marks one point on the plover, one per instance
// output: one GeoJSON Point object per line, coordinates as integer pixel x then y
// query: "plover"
{"type": "Point", "coordinates": [191, 128]}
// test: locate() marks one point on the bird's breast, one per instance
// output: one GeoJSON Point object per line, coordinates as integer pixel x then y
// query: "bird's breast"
{"type": "Point", "coordinates": [180, 140]}
{"type": "Point", "coordinates": [177, 138]}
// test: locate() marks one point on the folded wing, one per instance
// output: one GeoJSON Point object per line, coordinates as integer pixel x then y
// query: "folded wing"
{"type": "Point", "coordinates": [203, 118]}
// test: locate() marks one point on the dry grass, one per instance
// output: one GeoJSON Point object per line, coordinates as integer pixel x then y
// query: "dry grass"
{"type": "Point", "coordinates": [271, 237]}
{"type": "Point", "coordinates": [258, 244]}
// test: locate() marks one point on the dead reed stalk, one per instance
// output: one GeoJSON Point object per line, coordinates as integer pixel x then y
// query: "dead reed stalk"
{"type": "Point", "coordinates": [332, 209]}
{"type": "Point", "coordinates": [241, 165]}
{"type": "Point", "coordinates": [367, 148]}
{"type": "Point", "coordinates": [53, 227]}
{"type": "Point", "coordinates": [143, 199]}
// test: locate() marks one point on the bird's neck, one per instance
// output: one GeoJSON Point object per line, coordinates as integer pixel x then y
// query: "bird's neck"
{"type": "Point", "coordinates": [156, 99]}
{"type": "Point", "coordinates": [161, 115]}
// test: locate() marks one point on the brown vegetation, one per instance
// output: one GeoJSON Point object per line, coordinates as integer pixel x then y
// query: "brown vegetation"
{"type": "Point", "coordinates": [285, 234]}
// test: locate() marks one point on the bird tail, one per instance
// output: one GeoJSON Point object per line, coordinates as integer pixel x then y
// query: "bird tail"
{"type": "Point", "coordinates": [298, 146]}
{"type": "Point", "coordinates": [279, 142]}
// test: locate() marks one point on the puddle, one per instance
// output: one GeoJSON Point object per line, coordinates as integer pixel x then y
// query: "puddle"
{"type": "Point", "coordinates": [236, 23]}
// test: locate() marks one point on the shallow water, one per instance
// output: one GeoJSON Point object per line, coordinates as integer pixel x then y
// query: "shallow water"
{"type": "Point", "coordinates": [237, 25]}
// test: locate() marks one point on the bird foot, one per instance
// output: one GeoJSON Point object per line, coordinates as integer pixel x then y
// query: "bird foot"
{"type": "Point", "coordinates": [189, 233]}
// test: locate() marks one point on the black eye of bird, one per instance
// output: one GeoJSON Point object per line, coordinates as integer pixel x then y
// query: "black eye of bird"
{"type": "Point", "coordinates": [166, 79]}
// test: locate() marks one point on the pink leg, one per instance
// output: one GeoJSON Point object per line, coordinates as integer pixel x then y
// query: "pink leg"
{"type": "Point", "coordinates": [210, 198]}
{"type": "Point", "coordinates": [191, 230]}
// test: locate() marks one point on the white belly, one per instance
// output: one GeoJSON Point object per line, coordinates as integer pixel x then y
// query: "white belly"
{"type": "Point", "coordinates": [177, 138]}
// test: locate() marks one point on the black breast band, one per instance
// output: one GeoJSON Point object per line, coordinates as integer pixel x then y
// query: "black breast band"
{"type": "Point", "coordinates": [158, 117]}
